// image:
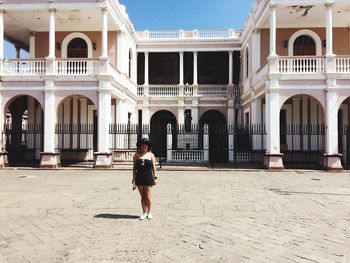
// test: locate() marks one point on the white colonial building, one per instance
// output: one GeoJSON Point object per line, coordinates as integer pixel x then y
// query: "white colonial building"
{"type": "Point", "coordinates": [276, 93]}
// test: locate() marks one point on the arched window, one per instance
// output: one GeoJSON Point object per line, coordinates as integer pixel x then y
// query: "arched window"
{"type": "Point", "coordinates": [77, 48]}
{"type": "Point", "coordinates": [304, 45]}
{"type": "Point", "coordinates": [130, 63]}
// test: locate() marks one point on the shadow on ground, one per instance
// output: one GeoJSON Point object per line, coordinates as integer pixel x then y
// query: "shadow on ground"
{"type": "Point", "coordinates": [116, 216]}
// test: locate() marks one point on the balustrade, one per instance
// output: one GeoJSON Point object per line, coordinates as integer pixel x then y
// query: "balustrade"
{"type": "Point", "coordinates": [21, 67]}
{"type": "Point", "coordinates": [77, 67]}
{"type": "Point", "coordinates": [301, 65]}
{"type": "Point", "coordinates": [343, 64]}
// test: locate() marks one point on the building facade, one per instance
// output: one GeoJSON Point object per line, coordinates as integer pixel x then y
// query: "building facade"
{"type": "Point", "coordinates": [275, 93]}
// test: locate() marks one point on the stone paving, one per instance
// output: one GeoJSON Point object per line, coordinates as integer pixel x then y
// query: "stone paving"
{"type": "Point", "coordinates": [199, 216]}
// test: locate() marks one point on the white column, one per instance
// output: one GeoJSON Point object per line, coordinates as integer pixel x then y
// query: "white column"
{"type": "Point", "coordinates": [331, 122]}
{"type": "Point", "coordinates": [52, 33]}
{"type": "Point", "coordinates": [195, 68]}
{"type": "Point", "coordinates": [273, 29]}
{"type": "Point", "coordinates": [181, 78]}
{"type": "Point", "coordinates": [104, 119]}
{"type": "Point", "coordinates": [121, 112]}
{"type": "Point", "coordinates": [169, 143]}
{"type": "Point", "coordinates": [104, 51]}
{"type": "Point", "coordinates": [256, 111]}
{"type": "Point", "coordinates": [49, 120]}
{"type": "Point", "coordinates": [2, 34]}
{"type": "Point", "coordinates": [146, 69]}
{"type": "Point", "coordinates": [329, 29]}
{"type": "Point", "coordinates": [120, 46]}
{"type": "Point", "coordinates": [272, 121]}
{"type": "Point", "coordinates": [145, 112]}
{"type": "Point", "coordinates": [181, 113]}
{"type": "Point", "coordinates": [230, 68]}
{"type": "Point", "coordinates": [32, 44]}
{"type": "Point", "coordinates": [256, 50]}
{"type": "Point", "coordinates": [194, 112]}
{"type": "Point", "coordinates": [83, 111]}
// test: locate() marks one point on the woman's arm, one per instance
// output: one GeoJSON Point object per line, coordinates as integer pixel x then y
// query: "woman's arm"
{"type": "Point", "coordinates": [134, 168]}
{"type": "Point", "coordinates": [154, 167]}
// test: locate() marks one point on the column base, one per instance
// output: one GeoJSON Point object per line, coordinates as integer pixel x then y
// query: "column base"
{"type": "Point", "coordinates": [332, 162]}
{"type": "Point", "coordinates": [49, 160]}
{"type": "Point", "coordinates": [274, 162]}
{"type": "Point", "coordinates": [3, 159]}
{"type": "Point", "coordinates": [103, 160]}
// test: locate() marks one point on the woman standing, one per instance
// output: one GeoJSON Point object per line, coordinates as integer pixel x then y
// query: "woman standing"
{"type": "Point", "coordinates": [144, 175]}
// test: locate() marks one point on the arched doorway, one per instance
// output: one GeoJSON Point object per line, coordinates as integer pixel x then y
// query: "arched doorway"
{"type": "Point", "coordinates": [344, 132]}
{"type": "Point", "coordinates": [302, 132]}
{"type": "Point", "coordinates": [77, 48]}
{"type": "Point", "coordinates": [159, 122]}
{"type": "Point", "coordinates": [304, 45]}
{"type": "Point", "coordinates": [218, 137]}
{"type": "Point", "coordinates": [22, 135]}
{"type": "Point", "coordinates": [76, 130]}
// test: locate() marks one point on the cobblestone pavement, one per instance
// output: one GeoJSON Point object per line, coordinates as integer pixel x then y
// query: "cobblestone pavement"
{"type": "Point", "coordinates": [199, 216]}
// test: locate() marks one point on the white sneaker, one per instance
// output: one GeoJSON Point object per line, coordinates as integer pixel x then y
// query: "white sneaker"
{"type": "Point", "coordinates": [143, 216]}
{"type": "Point", "coordinates": [149, 216]}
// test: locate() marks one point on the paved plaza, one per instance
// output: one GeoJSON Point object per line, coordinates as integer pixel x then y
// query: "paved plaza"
{"type": "Point", "coordinates": [199, 216]}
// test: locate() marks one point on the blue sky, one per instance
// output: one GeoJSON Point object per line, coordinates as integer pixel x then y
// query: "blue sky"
{"type": "Point", "coordinates": [181, 14]}
{"type": "Point", "coordinates": [187, 14]}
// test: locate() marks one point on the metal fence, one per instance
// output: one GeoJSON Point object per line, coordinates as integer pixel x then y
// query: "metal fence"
{"type": "Point", "coordinates": [76, 143]}
{"type": "Point", "coordinates": [302, 145]}
{"type": "Point", "coordinates": [23, 143]}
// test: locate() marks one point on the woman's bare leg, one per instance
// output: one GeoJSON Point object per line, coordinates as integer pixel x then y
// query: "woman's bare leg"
{"type": "Point", "coordinates": [148, 193]}
{"type": "Point", "coordinates": [143, 198]}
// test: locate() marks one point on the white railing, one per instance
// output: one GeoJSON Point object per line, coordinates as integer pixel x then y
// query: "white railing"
{"type": "Point", "coordinates": [77, 66]}
{"type": "Point", "coordinates": [343, 64]}
{"type": "Point", "coordinates": [181, 34]}
{"type": "Point", "coordinates": [187, 156]}
{"type": "Point", "coordinates": [301, 65]}
{"type": "Point", "coordinates": [140, 91]}
{"type": "Point", "coordinates": [212, 90]}
{"type": "Point", "coordinates": [164, 91]}
{"type": "Point", "coordinates": [21, 67]}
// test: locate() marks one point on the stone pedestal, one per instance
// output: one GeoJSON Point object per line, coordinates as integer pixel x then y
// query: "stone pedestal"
{"type": "Point", "coordinates": [274, 162]}
{"type": "Point", "coordinates": [103, 160]}
{"type": "Point", "coordinates": [332, 162]}
{"type": "Point", "coordinates": [49, 160]}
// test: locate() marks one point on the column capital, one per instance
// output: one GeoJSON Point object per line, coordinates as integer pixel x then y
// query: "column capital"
{"type": "Point", "coordinates": [181, 52]}
{"type": "Point", "coordinates": [52, 10]}
{"type": "Point", "coordinates": [273, 5]}
{"type": "Point", "coordinates": [329, 4]}
{"type": "Point", "coordinates": [104, 10]}
{"type": "Point", "coordinates": [146, 53]}
{"type": "Point", "coordinates": [32, 33]}
{"type": "Point", "coordinates": [230, 52]}
{"type": "Point", "coordinates": [195, 52]}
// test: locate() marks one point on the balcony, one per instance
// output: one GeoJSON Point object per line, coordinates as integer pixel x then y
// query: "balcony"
{"type": "Point", "coordinates": [171, 91]}
{"type": "Point", "coordinates": [64, 69]}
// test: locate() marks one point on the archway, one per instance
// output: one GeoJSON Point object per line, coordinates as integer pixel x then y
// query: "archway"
{"type": "Point", "coordinates": [302, 132]}
{"type": "Point", "coordinates": [22, 134]}
{"type": "Point", "coordinates": [159, 122]}
{"type": "Point", "coordinates": [218, 137]}
{"type": "Point", "coordinates": [344, 132]}
{"type": "Point", "coordinates": [77, 48]}
{"type": "Point", "coordinates": [76, 130]}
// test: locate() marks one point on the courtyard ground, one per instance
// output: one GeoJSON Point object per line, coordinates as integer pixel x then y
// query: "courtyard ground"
{"type": "Point", "coordinates": [199, 216]}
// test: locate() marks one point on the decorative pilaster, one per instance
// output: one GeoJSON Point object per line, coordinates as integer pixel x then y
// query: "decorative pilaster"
{"type": "Point", "coordinates": [330, 57]}
{"type": "Point", "coordinates": [181, 112]}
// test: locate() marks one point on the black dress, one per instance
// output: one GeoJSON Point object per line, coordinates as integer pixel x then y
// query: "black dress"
{"type": "Point", "coordinates": [144, 174]}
